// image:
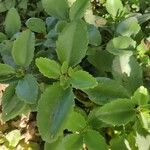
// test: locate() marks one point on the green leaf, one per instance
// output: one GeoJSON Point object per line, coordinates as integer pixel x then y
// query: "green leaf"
{"type": "Point", "coordinates": [119, 143]}
{"type": "Point", "coordinates": [72, 43]}
{"type": "Point", "coordinates": [83, 80]}
{"type": "Point", "coordinates": [53, 109]}
{"type": "Point", "coordinates": [56, 8]}
{"type": "Point", "coordinates": [127, 72]}
{"type": "Point", "coordinates": [2, 37]}
{"type": "Point", "coordinates": [107, 90]}
{"type": "Point", "coordinates": [114, 7]}
{"type": "Point", "coordinates": [23, 48]}
{"type": "Point", "coordinates": [64, 67]}
{"type": "Point", "coordinates": [73, 142]}
{"type": "Point", "coordinates": [94, 141]}
{"type": "Point", "coordinates": [128, 27]}
{"type": "Point", "coordinates": [94, 35]}
{"type": "Point", "coordinates": [121, 45]}
{"type": "Point", "coordinates": [75, 122]}
{"type": "Point", "coordinates": [145, 120]}
{"type": "Point", "coordinates": [12, 106]}
{"type": "Point", "coordinates": [6, 70]}
{"type": "Point", "coordinates": [57, 145]}
{"type": "Point", "coordinates": [36, 25]}
{"type": "Point", "coordinates": [12, 22]}
{"type": "Point", "coordinates": [13, 138]}
{"type": "Point", "coordinates": [101, 60]}
{"type": "Point", "coordinates": [48, 68]}
{"type": "Point", "coordinates": [141, 96]}
{"type": "Point", "coordinates": [78, 9]}
{"type": "Point", "coordinates": [27, 89]}
{"type": "Point", "coordinates": [118, 112]}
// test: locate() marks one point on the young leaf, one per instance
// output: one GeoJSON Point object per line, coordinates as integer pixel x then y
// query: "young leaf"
{"type": "Point", "coordinates": [6, 70]}
{"type": "Point", "coordinates": [72, 43]}
{"type": "Point", "coordinates": [12, 22]}
{"type": "Point", "coordinates": [106, 90]}
{"type": "Point", "coordinates": [23, 48]}
{"type": "Point", "coordinates": [36, 25]}
{"type": "Point", "coordinates": [48, 68]}
{"type": "Point", "coordinates": [27, 89]}
{"type": "Point", "coordinates": [114, 7]}
{"type": "Point", "coordinates": [145, 120]}
{"type": "Point", "coordinates": [73, 142]}
{"type": "Point", "coordinates": [128, 27]}
{"type": "Point", "coordinates": [13, 137]}
{"type": "Point", "coordinates": [83, 80]}
{"type": "Point", "coordinates": [12, 106]}
{"type": "Point", "coordinates": [2, 37]}
{"type": "Point", "coordinates": [120, 45]}
{"type": "Point", "coordinates": [141, 96]}
{"type": "Point", "coordinates": [94, 141]}
{"type": "Point", "coordinates": [94, 35]}
{"type": "Point", "coordinates": [117, 112]}
{"type": "Point", "coordinates": [53, 109]}
{"type": "Point", "coordinates": [57, 8]}
{"type": "Point", "coordinates": [78, 9]}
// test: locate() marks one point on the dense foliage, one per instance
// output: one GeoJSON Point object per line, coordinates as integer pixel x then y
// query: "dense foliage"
{"type": "Point", "coordinates": [83, 67]}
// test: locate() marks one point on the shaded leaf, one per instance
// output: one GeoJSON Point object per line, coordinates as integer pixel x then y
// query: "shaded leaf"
{"type": "Point", "coordinates": [36, 25]}
{"type": "Point", "coordinates": [53, 110]}
{"type": "Point", "coordinates": [72, 43]}
{"type": "Point", "coordinates": [12, 22]}
{"type": "Point", "coordinates": [56, 8]}
{"type": "Point", "coordinates": [78, 9]}
{"type": "Point", "coordinates": [23, 48]}
{"type": "Point", "coordinates": [94, 141]}
{"type": "Point", "coordinates": [27, 89]}
{"type": "Point", "coordinates": [107, 90]}
{"type": "Point", "coordinates": [118, 112]}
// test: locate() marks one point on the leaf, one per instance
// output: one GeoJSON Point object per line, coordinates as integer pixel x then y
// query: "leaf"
{"type": "Point", "coordinates": [127, 72]}
{"type": "Point", "coordinates": [114, 7]}
{"type": "Point", "coordinates": [73, 142]}
{"type": "Point", "coordinates": [141, 96]}
{"type": "Point", "coordinates": [94, 35]}
{"type": "Point", "coordinates": [72, 43]}
{"type": "Point", "coordinates": [145, 120]}
{"type": "Point", "coordinates": [53, 110]}
{"type": "Point", "coordinates": [27, 89]}
{"type": "Point", "coordinates": [94, 141]}
{"type": "Point", "coordinates": [78, 9]}
{"type": "Point", "coordinates": [75, 122]}
{"type": "Point", "coordinates": [57, 145]}
{"type": "Point", "coordinates": [101, 60]}
{"type": "Point", "coordinates": [2, 37]}
{"type": "Point", "coordinates": [142, 142]}
{"type": "Point", "coordinates": [13, 137]}
{"type": "Point", "coordinates": [12, 106]}
{"type": "Point", "coordinates": [12, 22]}
{"type": "Point", "coordinates": [118, 112]}
{"type": "Point", "coordinates": [56, 8]}
{"type": "Point", "coordinates": [48, 68]}
{"type": "Point", "coordinates": [23, 48]}
{"type": "Point", "coordinates": [36, 25]}
{"type": "Point", "coordinates": [107, 90]}
{"type": "Point", "coordinates": [121, 45]}
{"type": "Point", "coordinates": [128, 27]}
{"type": "Point", "coordinates": [119, 143]}
{"type": "Point", "coordinates": [83, 80]}
{"type": "Point", "coordinates": [6, 70]}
